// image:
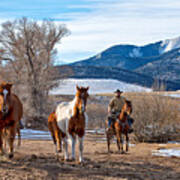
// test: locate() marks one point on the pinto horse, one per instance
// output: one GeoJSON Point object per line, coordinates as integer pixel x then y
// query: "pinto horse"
{"type": "Point", "coordinates": [70, 121]}
{"type": "Point", "coordinates": [11, 111]}
{"type": "Point", "coordinates": [121, 126]}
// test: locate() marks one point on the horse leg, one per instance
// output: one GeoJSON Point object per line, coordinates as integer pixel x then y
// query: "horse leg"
{"type": "Point", "coordinates": [73, 139]}
{"type": "Point", "coordinates": [11, 137]}
{"type": "Point", "coordinates": [51, 129]}
{"type": "Point", "coordinates": [19, 135]}
{"type": "Point", "coordinates": [118, 140]}
{"type": "Point", "coordinates": [127, 142]}
{"type": "Point", "coordinates": [1, 143]}
{"type": "Point", "coordinates": [80, 139]}
{"type": "Point", "coordinates": [58, 140]}
{"type": "Point", "coordinates": [118, 144]}
{"type": "Point", "coordinates": [65, 146]}
{"type": "Point", "coordinates": [108, 138]}
{"type": "Point", "coordinates": [121, 141]}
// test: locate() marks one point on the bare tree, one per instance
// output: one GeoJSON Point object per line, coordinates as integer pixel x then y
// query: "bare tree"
{"type": "Point", "coordinates": [29, 50]}
{"type": "Point", "coordinates": [158, 85]}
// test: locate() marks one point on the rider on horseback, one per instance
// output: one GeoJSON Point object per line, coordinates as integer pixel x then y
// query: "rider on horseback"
{"type": "Point", "coordinates": [114, 109]}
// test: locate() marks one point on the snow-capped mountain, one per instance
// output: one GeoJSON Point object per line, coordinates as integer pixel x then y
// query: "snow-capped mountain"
{"type": "Point", "coordinates": [131, 57]}
{"type": "Point", "coordinates": [140, 65]}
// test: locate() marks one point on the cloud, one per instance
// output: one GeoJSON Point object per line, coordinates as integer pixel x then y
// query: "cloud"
{"type": "Point", "coordinates": [98, 24]}
{"type": "Point", "coordinates": [121, 22]}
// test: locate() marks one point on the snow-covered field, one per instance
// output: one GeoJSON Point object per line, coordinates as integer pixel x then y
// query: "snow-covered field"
{"type": "Point", "coordinates": [97, 86]}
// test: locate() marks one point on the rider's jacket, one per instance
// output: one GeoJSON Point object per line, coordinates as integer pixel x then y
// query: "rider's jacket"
{"type": "Point", "coordinates": [116, 104]}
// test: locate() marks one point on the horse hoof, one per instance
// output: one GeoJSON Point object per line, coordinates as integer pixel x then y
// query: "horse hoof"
{"type": "Point", "coordinates": [1, 153]}
{"type": "Point", "coordinates": [59, 151]}
{"type": "Point", "coordinates": [80, 162]}
{"type": "Point", "coordinates": [67, 160]}
{"type": "Point", "coordinates": [10, 156]}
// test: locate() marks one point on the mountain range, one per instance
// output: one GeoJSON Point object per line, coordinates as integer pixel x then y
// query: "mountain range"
{"type": "Point", "coordinates": [142, 65]}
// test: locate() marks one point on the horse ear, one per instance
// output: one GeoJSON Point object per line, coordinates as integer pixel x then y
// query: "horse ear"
{"type": "Point", "coordinates": [77, 87]}
{"type": "Point", "coordinates": [9, 86]}
{"type": "Point", "coordinates": [87, 88]}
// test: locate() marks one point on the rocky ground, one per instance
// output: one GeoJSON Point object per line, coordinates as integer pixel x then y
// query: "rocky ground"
{"type": "Point", "coordinates": [35, 160]}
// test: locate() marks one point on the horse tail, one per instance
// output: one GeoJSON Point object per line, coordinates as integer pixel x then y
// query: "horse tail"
{"type": "Point", "coordinates": [51, 121]}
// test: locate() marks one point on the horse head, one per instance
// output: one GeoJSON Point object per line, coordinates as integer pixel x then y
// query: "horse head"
{"type": "Point", "coordinates": [127, 107]}
{"type": "Point", "coordinates": [125, 111]}
{"type": "Point", "coordinates": [5, 92]}
{"type": "Point", "coordinates": [81, 95]}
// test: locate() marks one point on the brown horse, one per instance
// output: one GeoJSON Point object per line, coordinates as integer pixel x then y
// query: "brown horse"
{"type": "Point", "coordinates": [69, 121]}
{"type": "Point", "coordinates": [120, 127]}
{"type": "Point", "coordinates": [11, 111]}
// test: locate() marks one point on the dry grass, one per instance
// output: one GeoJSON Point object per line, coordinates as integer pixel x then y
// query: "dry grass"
{"type": "Point", "coordinates": [156, 117]}
{"type": "Point", "coordinates": [97, 114]}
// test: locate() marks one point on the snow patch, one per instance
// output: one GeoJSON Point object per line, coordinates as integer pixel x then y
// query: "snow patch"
{"type": "Point", "coordinates": [173, 95]}
{"type": "Point", "coordinates": [169, 44]}
{"type": "Point", "coordinates": [135, 53]}
{"type": "Point", "coordinates": [97, 86]}
{"type": "Point", "coordinates": [35, 134]}
{"type": "Point", "coordinates": [98, 56]}
{"type": "Point", "coordinates": [167, 152]}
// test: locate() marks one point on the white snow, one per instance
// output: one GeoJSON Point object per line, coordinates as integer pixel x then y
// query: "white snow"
{"type": "Point", "coordinates": [167, 152]}
{"type": "Point", "coordinates": [173, 95]}
{"type": "Point", "coordinates": [169, 44]}
{"type": "Point", "coordinates": [135, 53]}
{"type": "Point", "coordinates": [68, 86]}
{"type": "Point", "coordinates": [35, 134]}
{"type": "Point", "coordinates": [173, 142]}
{"type": "Point", "coordinates": [98, 56]}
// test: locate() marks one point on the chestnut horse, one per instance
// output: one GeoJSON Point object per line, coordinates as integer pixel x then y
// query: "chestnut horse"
{"type": "Point", "coordinates": [11, 111]}
{"type": "Point", "coordinates": [70, 121]}
{"type": "Point", "coordinates": [121, 126]}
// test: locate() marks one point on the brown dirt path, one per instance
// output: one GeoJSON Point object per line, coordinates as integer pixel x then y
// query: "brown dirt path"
{"type": "Point", "coordinates": [35, 160]}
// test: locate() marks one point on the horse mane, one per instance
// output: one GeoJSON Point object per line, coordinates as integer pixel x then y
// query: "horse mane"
{"type": "Point", "coordinates": [75, 103]}
{"type": "Point", "coordinates": [123, 114]}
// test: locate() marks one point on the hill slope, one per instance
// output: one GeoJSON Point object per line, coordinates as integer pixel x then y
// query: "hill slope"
{"type": "Point", "coordinates": [135, 64]}
{"type": "Point", "coordinates": [130, 57]}
{"type": "Point", "coordinates": [166, 67]}
{"type": "Point", "coordinates": [114, 73]}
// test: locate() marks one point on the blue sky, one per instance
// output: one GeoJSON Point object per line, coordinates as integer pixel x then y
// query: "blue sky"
{"type": "Point", "coordinates": [98, 24]}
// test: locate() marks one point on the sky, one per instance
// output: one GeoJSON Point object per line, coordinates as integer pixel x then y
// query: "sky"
{"type": "Point", "coordinates": [96, 25]}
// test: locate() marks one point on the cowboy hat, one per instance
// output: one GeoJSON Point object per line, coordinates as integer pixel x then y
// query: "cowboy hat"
{"type": "Point", "coordinates": [118, 91]}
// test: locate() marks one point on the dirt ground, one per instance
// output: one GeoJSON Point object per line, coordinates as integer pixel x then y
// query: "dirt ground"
{"type": "Point", "coordinates": [35, 160]}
